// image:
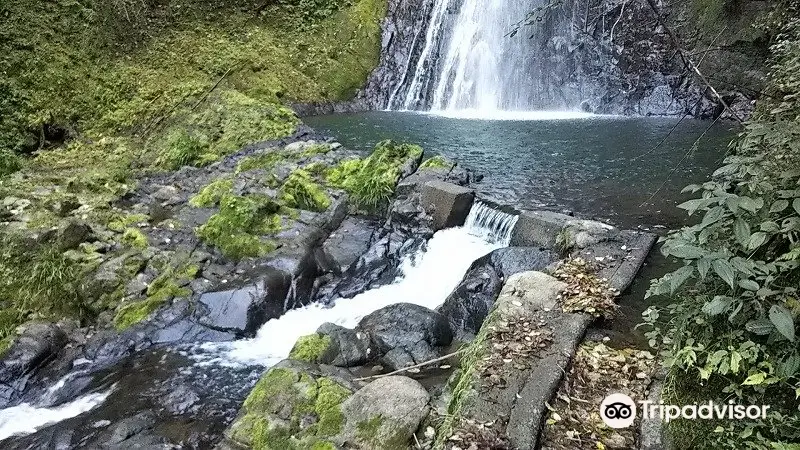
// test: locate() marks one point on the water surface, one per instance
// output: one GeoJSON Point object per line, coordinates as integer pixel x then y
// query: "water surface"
{"type": "Point", "coordinates": [602, 167]}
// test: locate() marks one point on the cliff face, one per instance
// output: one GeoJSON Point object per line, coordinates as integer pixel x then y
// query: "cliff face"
{"type": "Point", "coordinates": [608, 56]}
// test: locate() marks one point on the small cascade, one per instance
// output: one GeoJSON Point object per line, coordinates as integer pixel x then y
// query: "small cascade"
{"type": "Point", "coordinates": [490, 224]}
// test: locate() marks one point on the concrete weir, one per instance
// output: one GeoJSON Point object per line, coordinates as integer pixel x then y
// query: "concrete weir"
{"type": "Point", "coordinates": [516, 408]}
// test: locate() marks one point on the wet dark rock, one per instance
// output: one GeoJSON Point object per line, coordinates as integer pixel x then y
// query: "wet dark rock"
{"type": "Point", "coordinates": [351, 240]}
{"type": "Point", "coordinates": [72, 235]}
{"type": "Point", "coordinates": [396, 359]}
{"type": "Point", "coordinates": [470, 302]}
{"type": "Point", "coordinates": [347, 348]}
{"type": "Point", "coordinates": [242, 310]}
{"type": "Point", "coordinates": [181, 400]}
{"type": "Point", "coordinates": [38, 345]}
{"type": "Point", "coordinates": [404, 325]}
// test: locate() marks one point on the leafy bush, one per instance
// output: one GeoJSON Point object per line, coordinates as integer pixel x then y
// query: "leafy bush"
{"type": "Point", "coordinates": [301, 191]}
{"type": "Point", "coordinates": [184, 149]}
{"type": "Point", "coordinates": [371, 181]}
{"type": "Point", "coordinates": [9, 162]}
{"type": "Point", "coordinates": [733, 328]}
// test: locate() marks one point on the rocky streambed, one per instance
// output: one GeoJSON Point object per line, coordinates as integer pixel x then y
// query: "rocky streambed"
{"type": "Point", "coordinates": [282, 258]}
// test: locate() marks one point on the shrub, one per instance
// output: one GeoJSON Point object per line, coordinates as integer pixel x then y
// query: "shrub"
{"type": "Point", "coordinates": [301, 191]}
{"type": "Point", "coordinates": [9, 162]}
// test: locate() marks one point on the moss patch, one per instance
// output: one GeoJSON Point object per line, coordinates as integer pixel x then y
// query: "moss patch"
{"type": "Point", "coordinates": [211, 194]}
{"type": "Point", "coordinates": [310, 348]}
{"type": "Point", "coordinates": [301, 191]}
{"type": "Point", "coordinates": [437, 162]}
{"type": "Point", "coordinates": [164, 288]}
{"type": "Point", "coordinates": [371, 182]}
{"type": "Point", "coordinates": [237, 229]}
{"type": "Point", "coordinates": [312, 403]}
{"type": "Point", "coordinates": [135, 238]}
{"type": "Point", "coordinates": [266, 161]}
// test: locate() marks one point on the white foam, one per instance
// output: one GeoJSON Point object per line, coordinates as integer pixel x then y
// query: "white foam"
{"type": "Point", "coordinates": [427, 279]}
{"type": "Point", "coordinates": [25, 418]}
{"type": "Point", "coordinates": [496, 114]}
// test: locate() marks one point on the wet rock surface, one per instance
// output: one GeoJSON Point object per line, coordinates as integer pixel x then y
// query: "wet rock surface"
{"type": "Point", "coordinates": [404, 325]}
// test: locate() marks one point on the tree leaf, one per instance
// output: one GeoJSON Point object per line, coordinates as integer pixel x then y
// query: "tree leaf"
{"type": "Point", "coordinates": [750, 285]}
{"type": "Point", "coordinates": [725, 271]}
{"type": "Point", "coordinates": [741, 229]}
{"type": "Point", "coordinates": [679, 277]}
{"type": "Point", "coordinates": [796, 205]}
{"type": "Point", "coordinates": [694, 205]}
{"type": "Point", "coordinates": [686, 251]}
{"type": "Point", "coordinates": [778, 206]}
{"type": "Point", "coordinates": [755, 379]}
{"type": "Point", "coordinates": [749, 204]}
{"type": "Point", "coordinates": [783, 321]}
{"type": "Point", "coordinates": [703, 266]}
{"type": "Point", "coordinates": [761, 327]}
{"type": "Point", "coordinates": [757, 239]}
{"type": "Point", "coordinates": [717, 305]}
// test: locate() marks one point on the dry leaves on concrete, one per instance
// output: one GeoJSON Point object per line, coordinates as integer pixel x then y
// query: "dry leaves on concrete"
{"type": "Point", "coordinates": [574, 421]}
{"type": "Point", "coordinates": [585, 292]}
{"type": "Point", "coordinates": [474, 435]}
{"type": "Point", "coordinates": [512, 344]}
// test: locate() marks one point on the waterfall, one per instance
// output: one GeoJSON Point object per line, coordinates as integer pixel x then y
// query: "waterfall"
{"type": "Point", "coordinates": [472, 64]}
{"type": "Point", "coordinates": [490, 224]}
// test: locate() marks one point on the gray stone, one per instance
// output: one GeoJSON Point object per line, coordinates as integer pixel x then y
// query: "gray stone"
{"type": "Point", "coordinates": [349, 241]}
{"type": "Point", "coordinates": [37, 345]}
{"type": "Point", "coordinates": [73, 234]}
{"type": "Point", "coordinates": [447, 203]}
{"type": "Point", "coordinates": [244, 309]}
{"type": "Point", "coordinates": [348, 348]}
{"type": "Point", "coordinates": [528, 291]}
{"type": "Point", "coordinates": [584, 233]}
{"type": "Point", "coordinates": [392, 407]}
{"type": "Point", "coordinates": [396, 359]}
{"type": "Point", "coordinates": [404, 325]}
{"type": "Point", "coordinates": [538, 228]}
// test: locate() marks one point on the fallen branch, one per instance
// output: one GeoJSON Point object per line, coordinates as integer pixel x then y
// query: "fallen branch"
{"type": "Point", "coordinates": [689, 64]}
{"type": "Point", "coordinates": [405, 369]}
{"type": "Point", "coordinates": [205, 96]}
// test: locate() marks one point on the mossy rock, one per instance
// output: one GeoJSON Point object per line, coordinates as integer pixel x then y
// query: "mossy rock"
{"type": "Point", "coordinates": [371, 182]}
{"type": "Point", "coordinates": [293, 406]}
{"type": "Point", "coordinates": [242, 226]}
{"type": "Point", "coordinates": [301, 191]}
{"type": "Point", "coordinates": [437, 162]}
{"type": "Point", "coordinates": [313, 348]}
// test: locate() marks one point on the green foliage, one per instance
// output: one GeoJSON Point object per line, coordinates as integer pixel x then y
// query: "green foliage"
{"type": "Point", "coordinates": [238, 226]}
{"type": "Point", "coordinates": [734, 324]}
{"type": "Point", "coordinates": [9, 162]}
{"type": "Point", "coordinates": [134, 238]}
{"type": "Point", "coordinates": [437, 162]}
{"type": "Point", "coordinates": [266, 160]}
{"type": "Point", "coordinates": [310, 348]}
{"type": "Point", "coordinates": [371, 181]}
{"type": "Point", "coordinates": [211, 194]}
{"type": "Point", "coordinates": [136, 312]}
{"type": "Point", "coordinates": [183, 149]}
{"type": "Point", "coordinates": [40, 283]}
{"type": "Point", "coordinates": [301, 191]}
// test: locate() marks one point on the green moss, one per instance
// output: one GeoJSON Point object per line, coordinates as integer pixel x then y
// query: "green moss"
{"type": "Point", "coordinates": [9, 162]}
{"type": "Point", "coordinates": [372, 181]}
{"type": "Point", "coordinates": [266, 161]}
{"type": "Point", "coordinates": [366, 430]}
{"type": "Point", "coordinates": [211, 194]}
{"type": "Point", "coordinates": [134, 238]}
{"type": "Point", "coordinates": [315, 149]}
{"type": "Point", "coordinates": [322, 445]}
{"type": "Point", "coordinates": [437, 162]}
{"type": "Point", "coordinates": [301, 191]}
{"type": "Point", "coordinates": [136, 312]}
{"type": "Point", "coordinates": [184, 149]}
{"type": "Point", "coordinates": [330, 396]}
{"type": "Point", "coordinates": [119, 222]}
{"type": "Point", "coordinates": [316, 168]}
{"type": "Point", "coordinates": [310, 348]}
{"type": "Point", "coordinates": [237, 229]}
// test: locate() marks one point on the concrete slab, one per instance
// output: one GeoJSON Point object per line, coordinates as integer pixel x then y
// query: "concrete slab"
{"type": "Point", "coordinates": [447, 203]}
{"type": "Point", "coordinates": [538, 228]}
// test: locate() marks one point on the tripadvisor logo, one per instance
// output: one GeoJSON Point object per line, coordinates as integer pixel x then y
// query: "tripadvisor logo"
{"type": "Point", "coordinates": [620, 411]}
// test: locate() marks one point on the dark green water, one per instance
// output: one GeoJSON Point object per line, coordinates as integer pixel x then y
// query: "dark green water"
{"type": "Point", "coordinates": [599, 167]}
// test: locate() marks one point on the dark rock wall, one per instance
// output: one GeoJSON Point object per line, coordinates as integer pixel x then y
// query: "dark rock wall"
{"type": "Point", "coordinates": [604, 56]}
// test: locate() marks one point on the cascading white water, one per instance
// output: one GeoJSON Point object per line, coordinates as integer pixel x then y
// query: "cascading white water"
{"type": "Point", "coordinates": [472, 66]}
{"type": "Point", "coordinates": [426, 279]}
{"type": "Point", "coordinates": [26, 418]}
{"type": "Point", "coordinates": [491, 224]}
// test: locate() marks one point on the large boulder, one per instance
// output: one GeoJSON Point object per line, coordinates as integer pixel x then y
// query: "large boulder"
{"type": "Point", "coordinates": [38, 344]}
{"type": "Point", "coordinates": [470, 302]}
{"type": "Point", "coordinates": [242, 310]}
{"type": "Point", "coordinates": [334, 345]}
{"type": "Point", "coordinates": [404, 325]}
{"type": "Point", "coordinates": [384, 414]}
{"type": "Point", "coordinates": [293, 405]}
